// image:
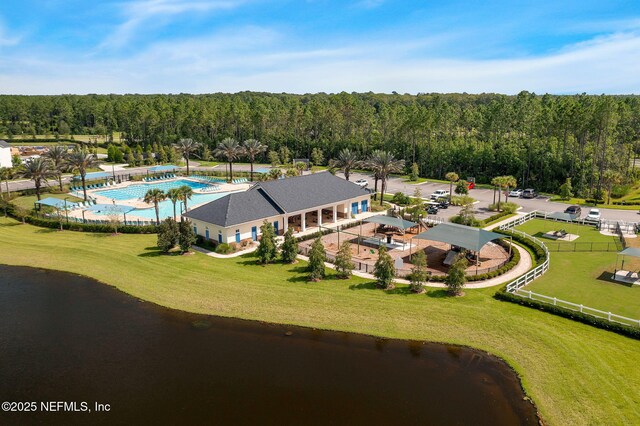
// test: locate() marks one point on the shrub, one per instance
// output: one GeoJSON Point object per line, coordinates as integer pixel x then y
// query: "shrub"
{"type": "Point", "coordinates": [505, 207]}
{"type": "Point", "coordinates": [462, 200]}
{"type": "Point", "coordinates": [168, 234]}
{"type": "Point", "coordinates": [267, 250]}
{"type": "Point", "coordinates": [401, 199]}
{"type": "Point", "coordinates": [223, 248]}
{"type": "Point", "coordinates": [344, 265]}
{"type": "Point", "coordinates": [456, 277]}
{"type": "Point", "coordinates": [289, 249]}
{"type": "Point", "coordinates": [384, 269]}
{"type": "Point", "coordinates": [317, 257]}
{"type": "Point", "coordinates": [186, 236]}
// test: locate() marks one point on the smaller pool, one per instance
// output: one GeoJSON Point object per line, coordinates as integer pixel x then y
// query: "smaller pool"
{"type": "Point", "coordinates": [136, 191]}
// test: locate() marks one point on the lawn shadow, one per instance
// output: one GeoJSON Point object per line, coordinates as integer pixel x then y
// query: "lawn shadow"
{"type": "Point", "coordinates": [153, 252]}
{"type": "Point", "coordinates": [99, 234]}
{"type": "Point", "coordinates": [608, 277]}
{"type": "Point", "coordinates": [438, 294]}
{"type": "Point", "coordinates": [368, 285]}
{"type": "Point", "coordinates": [403, 290]}
{"type": "Point", "coordinates": [10, 224]}
{"type": "Point", "coordinates": [47, 230]}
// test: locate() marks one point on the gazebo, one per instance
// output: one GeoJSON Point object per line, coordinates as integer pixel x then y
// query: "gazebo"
{"type": "Point", "coordinates": [395, 222]}
{"type": "Point", "coordinates": [623, 275]}
{"type": "Point", "coordinates": [467, 237]}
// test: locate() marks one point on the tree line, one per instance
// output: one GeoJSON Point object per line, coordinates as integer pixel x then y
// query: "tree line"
{"type": "Point", "coordinates": [540, 140]}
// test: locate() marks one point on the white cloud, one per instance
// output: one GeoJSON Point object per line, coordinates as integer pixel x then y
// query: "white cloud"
{"type": "Point", "coordinates": [7, 39]}
{"type": "Point", "coordinates": [154, 12]}
{"type": "Point", "coordinates": [260, 59]}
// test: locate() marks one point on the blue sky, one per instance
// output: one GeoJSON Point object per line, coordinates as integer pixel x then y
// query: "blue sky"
{"type": "Point", "coordinates": [306, 46]}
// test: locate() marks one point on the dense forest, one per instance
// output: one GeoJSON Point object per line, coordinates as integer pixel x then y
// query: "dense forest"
{"type": "Point", "coordinates": [541, 140]}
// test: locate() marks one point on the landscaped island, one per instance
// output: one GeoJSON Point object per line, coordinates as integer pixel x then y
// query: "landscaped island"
{"type": "Point", "coordinates": [576, 374]}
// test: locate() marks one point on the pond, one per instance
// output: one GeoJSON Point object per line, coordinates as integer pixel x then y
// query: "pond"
{"type": "Point", "coordinates": [66, 338]}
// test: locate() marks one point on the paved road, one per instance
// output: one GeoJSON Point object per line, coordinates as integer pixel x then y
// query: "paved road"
{"type": "Point", "coordinates": [485, 196]}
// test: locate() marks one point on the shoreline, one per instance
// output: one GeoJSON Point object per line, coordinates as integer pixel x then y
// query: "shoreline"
{"type": "Point", "coordinates": [518, 375]}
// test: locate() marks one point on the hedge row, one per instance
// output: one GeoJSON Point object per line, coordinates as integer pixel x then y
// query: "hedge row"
{"type": "Point", "coordinates": [89, 227]}
{"type": "Point", "coordinates": [536, 250]}
{"type": "Point", "coordinates": [627, 203]}
{"type": "Point", "coordinates": [495, 217]}
{"type": "Point", "coordinates": [593, 201]}
{"type": "Point", "coordinates": [625, 330]}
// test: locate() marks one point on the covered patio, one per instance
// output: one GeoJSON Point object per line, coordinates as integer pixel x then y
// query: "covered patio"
{"type": "Point", "coordinates": [461, 237]}
{"type": "Point", "coordinates": [627, 275]}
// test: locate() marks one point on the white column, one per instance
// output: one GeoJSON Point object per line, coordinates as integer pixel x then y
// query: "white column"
{"type": "Point", "coordinates": [350, 216]}
{"type": "Point", "coordinates": [335, 214]}
{"type": "Point", "coordinates": [303, 221]}
{"type": "Point", "coordinates": [319, 217]}
{"type": "Point", "coordinates": [285, 225]}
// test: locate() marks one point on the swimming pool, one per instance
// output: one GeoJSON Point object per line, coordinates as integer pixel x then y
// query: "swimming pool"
{"type": "Point", "coordinates": [139, 190]}
{"type": "Point", "coordinates": [165, 207]}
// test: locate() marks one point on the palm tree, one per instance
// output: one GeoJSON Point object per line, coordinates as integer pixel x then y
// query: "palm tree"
{"type": "Point", "coordinates": [451, 177]}
{"type": "Point", "coordinates": [384, 163]}
{"type": "Point", "coordinates": [509, 182]}
{"type": "Point", "coordinates": [253, 148]}
{"type": "Point", "coordinates": [38, 170]}
{"type": "Point", "coordinates": [372, 165]}
{"type": "Point", "coordinates": [6, 173]}
{"type": "Point", "coordinates": [186, 192]}
{"type": "Point", "coordinates": [499, 182]}
{"type": "Point", "coordinates": [58, 157]}
{"type": "Point", "coordinates": [81, 160]}
{"type": "Point", "coordinates": [155, 196]}
{"type": "Point", "coordinates": [229, 149]}
{"type": "Point", "coordinates": [187, 148]}
{"type": "Point", "coordinates": [175, 195]}
{"type": "Point", "coordinates": [345, 161]}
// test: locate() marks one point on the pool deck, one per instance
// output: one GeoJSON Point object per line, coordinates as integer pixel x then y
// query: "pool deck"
{"type": "Point", "coordinates": [141, 205]}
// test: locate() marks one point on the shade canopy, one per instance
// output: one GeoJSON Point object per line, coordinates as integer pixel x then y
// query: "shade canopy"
{"type": "Point", "coordinates": [110, 208]}
{"type": "Point", "coordinates": [459, 235]}
{"type": "Point", "coordinates": [94, 176]}
{"type": "Point", "coordinates": [55, 203]}
{"type": "Point", "coordinates": [561, 216]}
{"type": "Point", "coordinates": [262, 170]}
{"type": "Point", "coordinates": [631, 251]}
{"type": "Point", "coordinates": [396, 222]}
{"type": "Point", "coordinates": [162, 169]}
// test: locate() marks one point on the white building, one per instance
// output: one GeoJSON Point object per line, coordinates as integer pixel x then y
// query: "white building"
{"type": "Point", "coordinates": [5, 154]}
{"type": "Point", "coordinates": [301, 202]}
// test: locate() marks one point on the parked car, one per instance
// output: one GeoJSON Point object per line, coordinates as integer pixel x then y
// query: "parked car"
{"type": "Point", "coordinates": [573, 211]}
{"type": "Point", "coordinates": [529, 193]}
{"type": "Point", "coordinates": [439, 193]}
{"type": "Point", "coordinates": [362, 183]}
{"type": "Point", "coordinates": [432, 209]}
{"type": "Point", "coordinates": [593, 215]}
{"type": "Point", "coordinates": [443, 203]}
{"type": "Point", "coordinates": [516, 193]}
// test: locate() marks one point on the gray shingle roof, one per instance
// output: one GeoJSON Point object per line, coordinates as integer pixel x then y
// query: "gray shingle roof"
{"type": "Point", "coordinates": [4, 144]}
{"type": "Point", "coordinates": [236, 208]}
{"type": "Point", "coordinates": [305, 192]}
{"type": "Point", "coordinates": [266, 199]}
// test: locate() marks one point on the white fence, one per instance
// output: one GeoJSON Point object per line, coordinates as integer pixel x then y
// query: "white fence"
{"type": "Point", "coordinates": [515, 287]}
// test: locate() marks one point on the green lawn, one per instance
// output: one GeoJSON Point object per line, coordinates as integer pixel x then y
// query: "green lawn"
{"type": "Point", "coordinates": [576, 374]}
{"type": "Point", "coordinates": [587, 234]}
{"type": "Point", "coordinates": [207, 163]}
{"type": "Point", "coordinates": [584, 278]}
{"type": "Point", "coordinates": [26, 201]}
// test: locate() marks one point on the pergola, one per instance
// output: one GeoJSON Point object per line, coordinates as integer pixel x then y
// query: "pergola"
{"type": "Point", "coordinates": [57, 204]}
{"type": "Point", "coordinates": [563, 217]}
{"type": "Point", "coordinates": [622, 274]}
{"type": "Point", "coordinates": [467, 237]}
{"type": "Point", "coordinates": [395, 222]}
{"type": "Point", "coordinates": [110, 209]}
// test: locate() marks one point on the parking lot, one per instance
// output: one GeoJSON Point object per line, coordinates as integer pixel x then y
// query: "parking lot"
{"type": "Point", "coordinates": [485, 197]}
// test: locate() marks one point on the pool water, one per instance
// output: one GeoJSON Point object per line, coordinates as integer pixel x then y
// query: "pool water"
{"type": "Point", "coordinates": [139, 190]}
{"type": "Point", "coordinates": [165, 207]}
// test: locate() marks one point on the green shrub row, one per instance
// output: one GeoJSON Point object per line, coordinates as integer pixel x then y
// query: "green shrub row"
{"type": "Point", "coordinates": [626, 203]}
{"type": "Point", "coordinates": [495, 217]}
{"type": "Point", "coordinates": [625, 330]}
{"type": "Point", "coordinates": [593, 201]}
{"type": "Point", "coordinates": [537, 250]}
{"type": "Point", "coordinates": [89, 227]}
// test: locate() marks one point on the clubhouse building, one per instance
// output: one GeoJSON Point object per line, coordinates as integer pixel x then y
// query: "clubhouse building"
{"type": "Point", "coordinates": [301, 202]}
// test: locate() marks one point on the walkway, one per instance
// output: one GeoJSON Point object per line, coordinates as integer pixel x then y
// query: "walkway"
{"type": "Point", "coordinates": [521, 268]}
